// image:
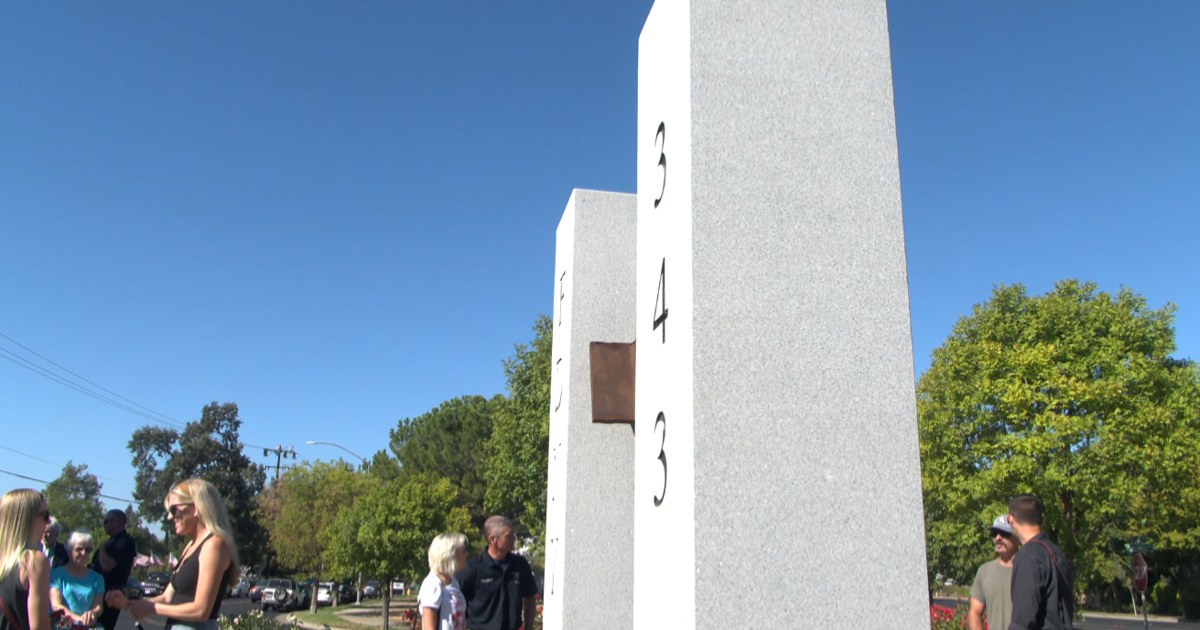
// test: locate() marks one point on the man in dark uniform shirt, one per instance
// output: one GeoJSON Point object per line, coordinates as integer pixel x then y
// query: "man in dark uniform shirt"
{"type": "Point", "coordinates": [497, 583]}
{"type": "Point", "coordinates": [114, 560]}
{"type": "Point", "coordinates": [1043, 581]}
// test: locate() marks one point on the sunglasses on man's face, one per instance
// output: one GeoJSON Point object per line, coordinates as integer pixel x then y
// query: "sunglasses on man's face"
{"type": "Point", "coordinates": [996, 532]}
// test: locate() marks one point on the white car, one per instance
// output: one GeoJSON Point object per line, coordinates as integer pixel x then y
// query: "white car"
{"type": "Point", "coordinates": [280, 594]}
{"type": "Point", "coordinates": [241, 589]}
{"type": "Point", "coordinates": [324, 593]}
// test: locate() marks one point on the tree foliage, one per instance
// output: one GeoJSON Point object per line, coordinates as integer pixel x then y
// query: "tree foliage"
{"type": "Point", "coordinates": [208, 448]}
{"type": "Point", "coordinates": [302, 504]}
{"type": "Point", "coordinates": [384, 466]}
{"type": "Point", "coordinates": [74, 499]}
{"type": "Point", "coordinates": [147, 542]}
{"type": "Point", "coordinates": [386, 533]}
{"type": "Point", "coordinates": [447, 441]}
{"type": "Point", "coordinates": [1073, 396]}
{"type": "Point", "coordinates": [518, 451]}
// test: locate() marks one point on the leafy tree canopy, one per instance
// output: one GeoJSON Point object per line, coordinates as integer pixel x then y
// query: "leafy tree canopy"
{"type": "Point", "coordinates": [384, 466]}
{"type": "Point", "coordinates": [447, 441]}
{"type": "Point", "coordinates": [304, 502]}
{"type": "Point", "coordinates": [518, 451]}
{"type": "Point", "coordinates": [208, 448]}
{"type": "Point", "coordinates": [74, 499]}
{"type": "Point", "coordinates": [147, 542]}
{"type": "Point", "coordinates": [1072, 396]}
{"type": "Point", "coordinates": [386, 533]}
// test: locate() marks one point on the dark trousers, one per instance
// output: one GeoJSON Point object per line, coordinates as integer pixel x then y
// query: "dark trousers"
{"type": "Point", "coordinates": [108, 618]}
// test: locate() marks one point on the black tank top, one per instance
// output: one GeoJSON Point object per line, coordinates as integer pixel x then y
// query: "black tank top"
{"type": "Point", "coordinates": [184, 581]}
{"type": "Point", "coordinates": [16, 598]}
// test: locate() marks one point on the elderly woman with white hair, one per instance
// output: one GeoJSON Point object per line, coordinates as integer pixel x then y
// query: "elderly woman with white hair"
{"type": "Point", "coordinates": [75, 590]}
{"type": "Point", "coordinates": [440, 600]}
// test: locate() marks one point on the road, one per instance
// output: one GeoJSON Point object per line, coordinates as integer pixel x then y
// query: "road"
{"type": "Point", "coordinates": [1100, 623]}
{"type": "Point", "coordinates": [229, 608]}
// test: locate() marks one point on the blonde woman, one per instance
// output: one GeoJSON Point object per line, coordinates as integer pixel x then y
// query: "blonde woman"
{"type": "Point", "coordinates": [24, 570]}
{"type": "Point", "coordinates": [207, 567]}
{"type": "Point", "coordinates": [440, 599]}
{"type": "Point", "coordinates": [75, 589]}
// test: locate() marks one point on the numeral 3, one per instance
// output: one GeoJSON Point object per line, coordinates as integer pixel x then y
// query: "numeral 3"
{"type": "Point", "coordinates": [662, 160]}
{"type": "Point", "coordinates": [662, 456]}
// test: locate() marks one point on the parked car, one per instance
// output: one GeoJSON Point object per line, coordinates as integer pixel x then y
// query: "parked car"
{"type": "Point", "coordinates": [325, 593]}
{"type": "Point", "coordinates": [397, 586]}
{"type": "Point", "coordinates": [282, 594]}
{"type": "Point", "coordinates": [306, 590]}
{"type": "Point", "coordinates": [371, 589]}
{"type": "Point", "coordinates": [256, 593]}
{"type": "Point", "coordinates": [155, 583]}
{"type": "Point", "coordinates": [345, 593]}
{"type": "Point", "coordinates": [241, 589]}
{"type": "Point", "coordinates": [133, 588]}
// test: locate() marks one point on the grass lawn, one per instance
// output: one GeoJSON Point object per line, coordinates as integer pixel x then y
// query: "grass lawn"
{"type": "Point", "coordinates": [326, 616]}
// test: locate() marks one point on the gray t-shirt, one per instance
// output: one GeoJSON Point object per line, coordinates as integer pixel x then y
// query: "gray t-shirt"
{"type": "Point", "coordinates": [993, 587]}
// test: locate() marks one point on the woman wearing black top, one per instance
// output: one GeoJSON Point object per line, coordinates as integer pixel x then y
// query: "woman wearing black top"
{"type": "Point", "coordinates": [24, 570]}
{"type": "Point", "coordinates": [207, 566]}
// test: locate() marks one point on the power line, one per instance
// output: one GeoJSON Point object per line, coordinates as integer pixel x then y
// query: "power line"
{"type": "Point", "coordinates": [48, 483]}
{"type": "Point", "coordinates": [13, 450]}
{"type": "Point", "coordinates": [37, 369]}
{"type": "Point", "coordinates": [35, 352]}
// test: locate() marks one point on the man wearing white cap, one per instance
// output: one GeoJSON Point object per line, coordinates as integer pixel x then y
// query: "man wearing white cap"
{"type": "Point", "coordinates": [991, 594]}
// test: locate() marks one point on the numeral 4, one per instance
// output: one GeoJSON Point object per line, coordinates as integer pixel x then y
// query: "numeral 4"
{"type": "Point", "coordinates": [660, 300]}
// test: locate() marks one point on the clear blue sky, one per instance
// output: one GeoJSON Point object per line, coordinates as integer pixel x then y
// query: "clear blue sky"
{"type": "Point", "coordinates": [341, 214]}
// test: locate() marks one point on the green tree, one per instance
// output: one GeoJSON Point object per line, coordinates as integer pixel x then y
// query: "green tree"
{"type": "Point", "coordinates": [518, 452]}
{"type": "Point", "coordinates": [386, 533]}
{"type": "Point", "coordinates": [447, 441]}
{"type": "Point", "coordinates": [208, 448]}
{"type": "Point", "coordinates": [308, 497]}
{"type": "Point", "coordinates": [384, 466]}
{"type": "Point", "coordinates": [147, 542]}
{"type": "Point", "coordinates": [1073, 396]}
{"type": "Point", "coordinates": [74, 499]}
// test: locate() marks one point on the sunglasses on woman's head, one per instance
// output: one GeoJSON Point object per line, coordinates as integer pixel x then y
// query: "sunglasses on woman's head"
{"type": "Point", "coordinates": [44, 514]}
{"type": "Point", "coordinates": [174, 509]}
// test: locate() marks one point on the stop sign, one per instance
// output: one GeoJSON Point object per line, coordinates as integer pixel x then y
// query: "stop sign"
{"type": "Point", "coordinates": [1140, 576]}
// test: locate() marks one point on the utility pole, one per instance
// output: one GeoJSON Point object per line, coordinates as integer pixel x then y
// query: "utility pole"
{"type": "Point", "coordinates": [281, 453]}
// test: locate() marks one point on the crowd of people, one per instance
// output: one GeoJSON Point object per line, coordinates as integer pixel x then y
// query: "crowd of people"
{"type": "Point", "coordinates": [46, 585]}
{"type": "Point", "coordinates": [1030, 584]}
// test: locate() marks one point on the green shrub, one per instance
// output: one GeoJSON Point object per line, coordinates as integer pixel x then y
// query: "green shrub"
{"type": "Point", "coordinates": [1166, 598]}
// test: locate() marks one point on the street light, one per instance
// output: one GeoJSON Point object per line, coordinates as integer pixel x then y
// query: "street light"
{"type": "Point", "coordinates": [356, 455]}
{"type": "Point", "coordinates": [358, 595]}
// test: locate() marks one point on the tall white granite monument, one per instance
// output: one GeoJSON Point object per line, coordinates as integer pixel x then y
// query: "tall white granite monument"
{"type": "Point", "coordinates": [589, 502]}
{"type": "Point", "coordinates": [777, 476]}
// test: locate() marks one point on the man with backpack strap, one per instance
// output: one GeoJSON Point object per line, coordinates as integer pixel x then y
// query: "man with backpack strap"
{"type": "Point", "coordinates": [1043, 581]}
